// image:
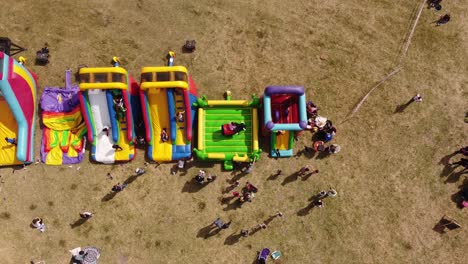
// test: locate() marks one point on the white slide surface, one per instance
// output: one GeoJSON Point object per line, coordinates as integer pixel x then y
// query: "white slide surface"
{"type": "Point", "coordinates": [104, 151]}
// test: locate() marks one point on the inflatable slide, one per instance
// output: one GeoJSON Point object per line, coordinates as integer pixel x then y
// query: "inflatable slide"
{"type": "Point", "coordinates": [63, 138]}
{"type": "Point", "coordinates": [213, 145]}
{"type": "Point", "coordinates": [105, 104]}
{"type": "Point", "coordinates": [284, 112]}
{"type": "Point", "coordinates": [17, 112]}
{"type": "Point", "coordinates": [167, 94]}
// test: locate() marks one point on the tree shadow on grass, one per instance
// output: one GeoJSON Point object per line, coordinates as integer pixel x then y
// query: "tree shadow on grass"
{"type": "Point", "coordinates": [78, 222]}
{"type": "Point", "coordinates": [232, 239]}
{"type": "Point", "coordinates": [193, 187]}
{"type": "Point", "coordinates": [291, 178]}
{"type": "Point", "coordinates": [208, 231]}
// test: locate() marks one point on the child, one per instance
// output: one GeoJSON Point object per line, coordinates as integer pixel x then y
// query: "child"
{"type": "Point", "coordinates": [105, 130]}
{"type": "Point", "coordinates": [303, 170]}
{"type": "Point", "coordinates": [117, 147]}
{"type": "Point", "coordinates": [11, 140]}
{"type": "Point", "coordinates": [164, 136]}
{"type": "Point", "coordinates": [180, 116]}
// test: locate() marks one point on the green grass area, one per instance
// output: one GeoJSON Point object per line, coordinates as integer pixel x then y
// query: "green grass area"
{"type": "Point", "coordinates": [392, 179]}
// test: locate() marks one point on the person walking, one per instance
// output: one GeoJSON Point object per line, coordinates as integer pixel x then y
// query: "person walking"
{"type": "Point", "coordinates": [200, 177]}
{"type": "Point", "coordinates": [319, 203]}
{"type": "Point", "coordinates": [118, 187]}
{"type": "Point", "coordinates": [332, 193]}
{"type": "Point", "coordinates": [302, 171]}
{"type": "Point", "coordinates": [319, 146]}
{"type": "Point", "coordinates": [244, 232]}
{"type": "Point", "coordinates": [443, 20]}
{"type": "Point", "coordinates": [139, 171]}
{"type": "Point", "coordinates": [220, 224]}
{"type": "Point", "coordinates": [333, 149]}
{"type": "Point", "coordinates": [86, 215]}
{"type": "Point", "coordinates": [38, 223]}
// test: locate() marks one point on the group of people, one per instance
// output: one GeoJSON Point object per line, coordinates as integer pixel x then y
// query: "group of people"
{"type": "Point", "coordinates": [248, 193]}
{"type": "Point", "coordinates": [201, 177]}
{"type": "Point", "coordinates": [324, 129]}
{"type": "Point", "coordinates": [318, 201]}
{"type": "Point", "coordinates": [436, 4]}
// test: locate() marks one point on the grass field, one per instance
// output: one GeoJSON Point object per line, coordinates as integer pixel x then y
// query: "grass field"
{"type": "Point", "coordinates": [392, 184]}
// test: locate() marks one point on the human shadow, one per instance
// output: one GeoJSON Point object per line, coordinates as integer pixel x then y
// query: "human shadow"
{"type": "Point", "coordinates": [193, 187]}
{"type": "Point", "coordinates": [455, 176]}
{"type": "Point", "coordinates": [232, 239]}
{"type": "Point", "coordinates": [401, 108]}
{"type": "Point", "coordinates": [274, 176]}
{"type": "Point", "coordinates": [78, 222]}
{"type": "Point", "coordinates": [323, 154]}
{"type": "Point", "coordinates": [227, 200]}
{"type": "Point", "coordinates": [131, 179]}
{"type": "Point", "coordinates": [236, 204]}
{"type": "Point", "coordinates": [448, 168]}
{"type": "Point", "coordinates": [208, 231]}
{"type": "Point", "coordinates": [308, 152]}
{"type": "Point", "coordinates": [229, 189]}
{"type": "Point", "coordinates": [237, 175]}
{"type": "Point", "coordinates": [307, 176]}
{"type": "Point", "coordinates": [255, 230]}
{"type": "Point", "coordinates": [291, 178]}
{"type": "Point", "coordinates": [108, 196]}
{"type": "Point", "coordinates": [269, 219]}
{"type": "Point", "coordinates": [306, 210]}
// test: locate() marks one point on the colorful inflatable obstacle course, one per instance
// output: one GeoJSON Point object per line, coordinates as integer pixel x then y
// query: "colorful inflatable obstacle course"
{"type": "Point", "coordinates": [63, 137]}
{"type": "Point", "coordinates": [17, 112]}
{"type": "Point", "coordinates": [241, 146]}
{"type": "Point", "coordinates": [105, 104]}
{"type": "Point", "coordinates": [284, 109]}
{"type": "Point", "coordinates": [167, 95]}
